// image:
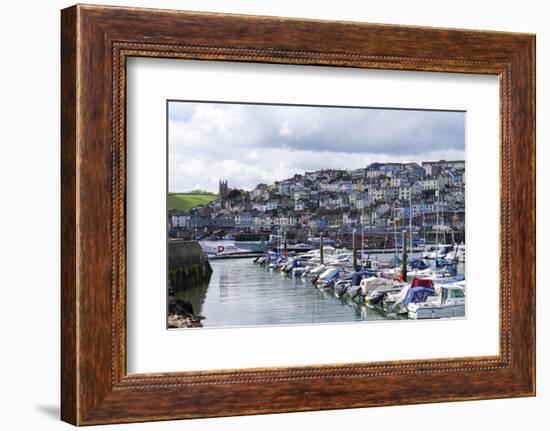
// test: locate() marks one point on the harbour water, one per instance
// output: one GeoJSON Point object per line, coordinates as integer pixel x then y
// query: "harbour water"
{"type": "Point", "coordinates": [241, 293]}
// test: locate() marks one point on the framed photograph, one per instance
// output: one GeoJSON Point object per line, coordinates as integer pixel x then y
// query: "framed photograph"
{"type": "Point", "coordinates": [264, 215]}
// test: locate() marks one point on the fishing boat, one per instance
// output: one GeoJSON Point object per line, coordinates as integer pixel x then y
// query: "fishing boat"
{"type": "Point", "coordinates": [451, 302]}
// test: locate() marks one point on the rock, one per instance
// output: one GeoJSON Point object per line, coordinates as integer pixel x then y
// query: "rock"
{"type": "Point", "coordinates": [181, 315]}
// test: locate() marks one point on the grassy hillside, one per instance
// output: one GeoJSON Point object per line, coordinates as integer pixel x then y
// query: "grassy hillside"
{"type": "Point", "coordinates": [183, 201]}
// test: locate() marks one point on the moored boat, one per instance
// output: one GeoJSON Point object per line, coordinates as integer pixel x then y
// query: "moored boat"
{"type": "Point", "coordinates": [451, 302]}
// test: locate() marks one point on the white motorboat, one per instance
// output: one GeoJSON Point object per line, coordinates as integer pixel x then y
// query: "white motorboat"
{"type": "Point", "coordinates": [342, 259]}
{"type": "Point", "coordinates": [418, 291]}
{"type": "Point", "coordinates": [369, 284]}
{"type": "Point", "coordinates": [451, 302]}
{"type": "Point", "coordinates": [313, 270]}
{"type": "Point", "coordinates": [378, 295]}
{"type": "Point", "coordinates": [314, 256]}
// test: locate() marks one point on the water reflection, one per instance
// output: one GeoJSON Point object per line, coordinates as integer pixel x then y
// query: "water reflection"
{"type": "Point", "coordinates": [243, 294]}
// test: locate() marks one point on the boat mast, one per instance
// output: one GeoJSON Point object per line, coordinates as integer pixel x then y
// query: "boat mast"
{"type": "Point", "coordinates": [423, 222]}
{"type": "Point", "coordinates": [394, 231]}
{"type": "Point", "coordinates": [437, 217]}
{"type": "Point", "coordinates": [443, 225]}
{"type": "Point", "coordinates": [410, 221]}
{"type": "Point", "coordinates": [362, 229]}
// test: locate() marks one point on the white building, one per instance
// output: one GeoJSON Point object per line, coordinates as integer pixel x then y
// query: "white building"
{"type": "Point", "coordinates": [272, 205]}
{"type": "Point", "coordinates": [429, 184]}
{"type": "Point", "coordinates": [180, 220]}
{"type": "Point", "coordinates": [379, 195]}
{"type": "Point", "coordinates": [395, 182]}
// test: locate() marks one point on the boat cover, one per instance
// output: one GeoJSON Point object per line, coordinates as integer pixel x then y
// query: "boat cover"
{"type": "Point", "coordinates": [422, 282]}
{"type": "Point", "coordinates": [418, 294]}
{"type": "Point", "coordinates": [441, 263]}
{"type": "Point", "coordinates": [359, 275]}
{"type": "Point", "coordinates": [418, 264]}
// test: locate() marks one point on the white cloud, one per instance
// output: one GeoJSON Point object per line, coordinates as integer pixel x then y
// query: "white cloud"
{"type": "Point", "coordinates": [249, 144]}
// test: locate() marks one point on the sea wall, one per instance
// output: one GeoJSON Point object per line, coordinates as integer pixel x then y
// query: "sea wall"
{"type": "Point", "coordinates": [187, 264]}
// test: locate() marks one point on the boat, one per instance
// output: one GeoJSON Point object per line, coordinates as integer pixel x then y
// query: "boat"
{"type": "Point", "coordinates": [331, 275]}
{"type": "Point", "coordinates": [440, 251]}
{"type": "Point", "coordinates": [342, 259]}
{"type": "Point", "coordinates": [299, 248]}
{"type": "Point", "coordinates": [294, 266]}
{"type": "Point", "coordinates": [269, 257]}
{"type": "Point", "coordinates": [370, 263]}
{"type": "Point", "coordinates": [355, 286]}
{"type": "Point", "coordinates": [217, 250]}
{"type": "Point", "coordinates": [429, 250]}
{"type": "Point", "coordinates": [252, 246]}
{"type": "Point", "coordinates": [451, 302]}
{"type": "Point", "coordinates": [457, 254]}
{"type": "Point", "coordinates": [438, 268]}
{"type": "Point", "coordinates": [370, 284]}
{"type": "Point", "coordinates": [379, 294]}
{"type": "Point", "coordinates": [419, 290]}
{"type": "Point", "coordinates": [313, 271]}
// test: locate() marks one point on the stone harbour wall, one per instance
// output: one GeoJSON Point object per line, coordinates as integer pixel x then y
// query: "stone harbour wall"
{"type": "Point", "coordinates": [187, 264]}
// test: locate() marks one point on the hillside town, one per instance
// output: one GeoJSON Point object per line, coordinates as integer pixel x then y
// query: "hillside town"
{"type": "Point", "coordinates": [427, 197]}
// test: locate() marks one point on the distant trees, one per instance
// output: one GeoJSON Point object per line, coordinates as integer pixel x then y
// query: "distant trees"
{"type": "Point", "coordinates": [198, 192]}
{"type": "Point", "coordinates": [234, 194]}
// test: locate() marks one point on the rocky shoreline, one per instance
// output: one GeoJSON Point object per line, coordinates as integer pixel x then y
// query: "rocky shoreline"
{"type": "Point", "coordinates": [181, 314]}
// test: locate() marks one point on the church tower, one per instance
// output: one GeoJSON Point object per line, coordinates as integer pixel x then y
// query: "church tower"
{"type": "Point", "coordinates": [223, 191]}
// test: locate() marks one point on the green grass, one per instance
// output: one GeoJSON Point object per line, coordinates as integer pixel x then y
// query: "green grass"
{"type": "Point", "coordinates": [184, 201]}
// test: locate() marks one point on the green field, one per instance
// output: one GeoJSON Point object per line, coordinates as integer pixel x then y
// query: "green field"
{"type": "Point", "coordinates": [183, 201]}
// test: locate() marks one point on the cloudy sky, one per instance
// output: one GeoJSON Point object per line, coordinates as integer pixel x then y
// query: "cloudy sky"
{"type": "Point", "coordinates": [251, 144]}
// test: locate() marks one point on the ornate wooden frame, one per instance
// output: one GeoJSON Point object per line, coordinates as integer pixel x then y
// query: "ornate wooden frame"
{"type": "Point", "coordinates": [95, 42]}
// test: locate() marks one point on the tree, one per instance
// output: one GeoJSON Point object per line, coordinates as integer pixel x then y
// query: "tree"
{"type": "Point", "coordinates": [234, 194]}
